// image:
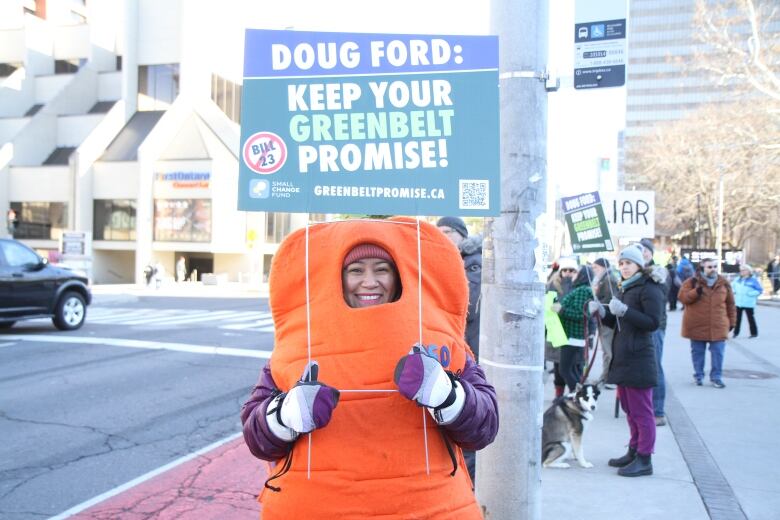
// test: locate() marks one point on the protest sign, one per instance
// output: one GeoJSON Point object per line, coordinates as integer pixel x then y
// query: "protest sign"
{"type": "Point", "coordinates": [587, 224]}
{"type": "Point", "coordinates": [369, 123]}
{"type": "Point", "coordinates": [630, 214]}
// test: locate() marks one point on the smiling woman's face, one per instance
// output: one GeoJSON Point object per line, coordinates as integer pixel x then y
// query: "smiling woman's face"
{"type": "Point", "coordinates": [369, 282]}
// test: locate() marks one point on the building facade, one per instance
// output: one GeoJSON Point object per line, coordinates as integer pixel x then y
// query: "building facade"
{"type": "Point", "coordinates": [121, 120]}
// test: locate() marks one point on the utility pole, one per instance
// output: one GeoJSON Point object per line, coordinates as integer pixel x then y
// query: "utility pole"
{"type": "Point", "coordinates": [508, 480]}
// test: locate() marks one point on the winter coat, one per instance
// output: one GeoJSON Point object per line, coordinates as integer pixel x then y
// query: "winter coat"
{"type": "Point", "coordinates": [471, 252]}
{"type": "Point", "coordinates": [685, 269]}
{"type": "Point", "coordinates": [746, 291]}
{"type": "Point", "coordinates": [660, 275]}
{"type": "Point", "coordinates": [633, 351]}
{"type": "Point", "coordinates": [707, 316]}
{"type": "Point", "coordinates": [374, 439]}
{"type": "Point", "coordinates": [573, 312]}
{"type": "Point", "coordinates": [605, 286]}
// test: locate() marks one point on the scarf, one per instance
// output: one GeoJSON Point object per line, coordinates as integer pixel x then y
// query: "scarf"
{"type": "Point", "coordinates": [628, 282]}
{"type": "Point", "coordinates": [710, 280]}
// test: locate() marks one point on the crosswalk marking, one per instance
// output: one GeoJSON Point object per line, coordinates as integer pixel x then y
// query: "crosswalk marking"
{"type": "Point", "coordinates": [258, 321]}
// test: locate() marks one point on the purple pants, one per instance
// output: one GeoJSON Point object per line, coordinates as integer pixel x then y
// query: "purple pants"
{"type": "Point", "coordinates": [637, 403]}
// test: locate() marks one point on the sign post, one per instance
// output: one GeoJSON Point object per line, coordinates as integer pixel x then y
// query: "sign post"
{"type": "Point", "coordinates": [369, 123]}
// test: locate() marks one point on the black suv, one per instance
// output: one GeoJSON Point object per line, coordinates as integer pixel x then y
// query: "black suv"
{"type": "Point", "coordinates": [32, 288]}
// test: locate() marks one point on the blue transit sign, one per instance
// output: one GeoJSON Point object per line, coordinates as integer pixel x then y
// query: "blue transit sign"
{"type": "Point", "coordinates": [369, 123]}
{"type": "Point", "coordinates": [599, 43]}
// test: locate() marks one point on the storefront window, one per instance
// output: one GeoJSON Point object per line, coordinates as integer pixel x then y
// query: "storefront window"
{"type": "Point", "coordinates": [182, 220]}
{"type": "Point", "coordinates": [114, 220]}
{"type": "Point", "coordinates": [42, 220]}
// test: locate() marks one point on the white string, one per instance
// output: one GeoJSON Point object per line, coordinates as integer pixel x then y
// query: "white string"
{"type": "Point", "coordinates": [419, 319]}
{"type": "Point", "coordinates": [308, 335]}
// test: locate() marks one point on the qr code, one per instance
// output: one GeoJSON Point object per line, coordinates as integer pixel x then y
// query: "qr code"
{"type": "Point", "coordinates": [474, 194]}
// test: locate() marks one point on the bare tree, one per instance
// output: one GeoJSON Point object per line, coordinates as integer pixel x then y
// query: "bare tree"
{"type": "Point", "coordinates": [735, 134]}
{"type": "Point", "coordinates": [683, 161]}
{"type": "Point", "coordinates": [740, 45]}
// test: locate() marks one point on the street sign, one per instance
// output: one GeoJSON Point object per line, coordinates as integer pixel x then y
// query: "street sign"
{"type": "Point", "coordinates": [369, 124]}
{"type": "Point", "coordinates": [586, 222]}
{"type": "Point", "coordinates": [600, 43]}
{"type": "Point", "coordinates": [630, 214]}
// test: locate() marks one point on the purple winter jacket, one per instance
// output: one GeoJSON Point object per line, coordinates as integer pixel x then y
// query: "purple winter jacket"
{"type": "Point", "coordinates": [475, 427]}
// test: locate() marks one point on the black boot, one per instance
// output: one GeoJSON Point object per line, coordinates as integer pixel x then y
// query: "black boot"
{"type": "Point", "coordinates": [625, 460]}
{"type": "Point", "coordinates": [639, 467]}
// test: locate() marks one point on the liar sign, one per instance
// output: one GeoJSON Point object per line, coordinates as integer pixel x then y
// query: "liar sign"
{"type": "Point", "coordinates": [630, 214]}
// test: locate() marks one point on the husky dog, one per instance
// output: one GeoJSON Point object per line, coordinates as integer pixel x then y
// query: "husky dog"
{"type": "Point", "coordinates": [563, 425]}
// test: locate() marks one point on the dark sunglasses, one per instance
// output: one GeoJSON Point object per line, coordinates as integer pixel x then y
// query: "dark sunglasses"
{"type": "Point", "coordinates": [568, 270]}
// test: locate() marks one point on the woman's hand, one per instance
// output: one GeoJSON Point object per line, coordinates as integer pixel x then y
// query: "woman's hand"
{"type": "Point", "coordinates": [617, 307]}
{"type": "Point", "coordinates": [422, 379]}
{"type": "Point", "coordinates": [306, 407]}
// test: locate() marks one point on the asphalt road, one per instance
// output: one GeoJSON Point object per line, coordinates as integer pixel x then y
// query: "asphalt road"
{"type": "Point", "coordinates": [85, 411]}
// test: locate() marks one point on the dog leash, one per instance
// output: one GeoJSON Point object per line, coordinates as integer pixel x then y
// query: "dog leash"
{"type": "Point", "coordinates": [586, 373]}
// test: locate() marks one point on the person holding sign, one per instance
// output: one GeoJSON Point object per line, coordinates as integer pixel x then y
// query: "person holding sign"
{"type": "Point", "coordinates": [371, 392]}
{"type": "Point", "coordinates": [638, 310]}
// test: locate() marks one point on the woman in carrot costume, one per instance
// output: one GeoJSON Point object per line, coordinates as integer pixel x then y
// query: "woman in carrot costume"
{"type": "Point", "coordinates": [374, 368]}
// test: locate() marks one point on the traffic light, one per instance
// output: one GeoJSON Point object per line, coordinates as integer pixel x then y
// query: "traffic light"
{"type": "Point", "coordinates": [12, 221]}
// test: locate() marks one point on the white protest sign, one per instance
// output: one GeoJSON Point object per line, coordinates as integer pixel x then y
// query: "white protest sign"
{"type": "Point", "coordinates": [630, 214]}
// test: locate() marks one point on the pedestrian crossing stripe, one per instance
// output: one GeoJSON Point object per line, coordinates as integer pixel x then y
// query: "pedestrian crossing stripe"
{"type": "Point", "coordinates": [258, 321]}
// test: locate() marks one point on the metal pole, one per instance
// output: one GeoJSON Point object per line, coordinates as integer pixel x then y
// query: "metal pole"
{"type": "Point", "coordinates": [720, 219]}
{"type": "Point", "coordinates": [508, 480]}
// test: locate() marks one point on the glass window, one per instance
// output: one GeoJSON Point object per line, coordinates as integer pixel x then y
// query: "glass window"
{"type": "Point", "coordinates": [182, 220]}
{"type": "Point", "coordinates": [277, 226]}
{"type": "Point", "coordinates": [44, 220]}
{"type": "Point", "coordinates": [158, 86]}
{"type": "Point", "coordinates": [16, 255]}
{"type": "Point", "coordinates": [227, 96]}
{"type": "Point", "coordinates": [114, 220]}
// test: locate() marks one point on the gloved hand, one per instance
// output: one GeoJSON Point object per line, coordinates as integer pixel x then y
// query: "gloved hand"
{"type": "Point", "coordinates": [617, 307]}
{"type": "Point", "coordinates": [556, 307]}
{"type": "Point", "coordinates": [306, 407]}
{"type": "Point", "coordinates": [596, 307]}
{"type": "Point", "coordinates": [421, 378]}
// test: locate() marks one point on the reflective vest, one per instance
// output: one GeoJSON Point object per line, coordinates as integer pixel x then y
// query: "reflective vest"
{"type": "Point", "coordinates": [370, 460]}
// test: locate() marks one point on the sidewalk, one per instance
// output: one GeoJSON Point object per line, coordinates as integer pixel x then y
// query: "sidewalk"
{"type": "Point", "coordinates": [727, 471]}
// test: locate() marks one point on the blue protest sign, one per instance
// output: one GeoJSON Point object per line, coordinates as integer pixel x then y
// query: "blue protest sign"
{"type": "Point", "coordinates": [369, 123]}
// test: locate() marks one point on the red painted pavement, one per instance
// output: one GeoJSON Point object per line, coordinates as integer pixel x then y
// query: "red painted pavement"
{"type": "Point", "coordinates": [221, 484]}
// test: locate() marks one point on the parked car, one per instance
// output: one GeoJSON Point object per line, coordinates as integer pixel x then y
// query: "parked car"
{"type": "Point", "coordinates": [30, 287]}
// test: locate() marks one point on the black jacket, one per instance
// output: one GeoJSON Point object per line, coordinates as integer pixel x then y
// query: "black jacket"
{"type": "Point", "coordinates": [471, 251]}
{"type": "Point", "coordinates": [633, 354]}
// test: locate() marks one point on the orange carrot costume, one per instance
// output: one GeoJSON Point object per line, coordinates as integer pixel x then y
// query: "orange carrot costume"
{"type": "Point", "coordinates": [370, 460]}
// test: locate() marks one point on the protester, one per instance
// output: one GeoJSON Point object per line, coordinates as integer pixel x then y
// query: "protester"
{"type": "Point", "coordinates": [746, 289]}
{"type": "Point", "coordinates": [470, 248]}
{"type": "Point", "coordinates": [661, 276]}
{"type": "Point", "coordinates": [685, 268]}
{"type": "Point", "coordinates": [605, 287]}
{"type": "Point", "coordinates": [634, 314]}
{"type": "Point", "coordinates": [572, 311]}
{"type": "Point", "coordinates": [363, 304]}
{"type": "Point", "coordinates": [674, 288]}
{"type": "Point", "coordinates": [562, 282]}
{"type": "Point", "coordinates": [710, 314]}
{"type": "Point", "coordinates": [773, 272]}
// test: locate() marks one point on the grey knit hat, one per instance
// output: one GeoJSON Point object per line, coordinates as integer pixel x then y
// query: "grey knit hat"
{"type": "Point", "coordinates": [455, 223]}
{"type": "Point", "coordinates": [634, 254]}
